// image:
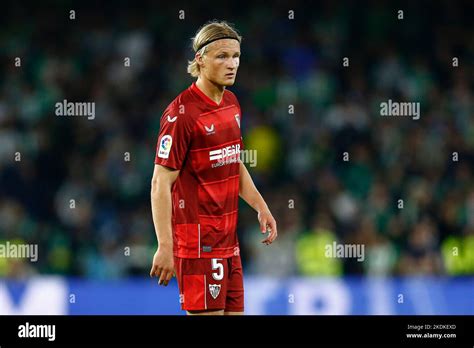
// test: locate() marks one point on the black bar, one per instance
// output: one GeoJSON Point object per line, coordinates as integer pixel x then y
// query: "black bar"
{"type": "Point", "coordinates": [138, 331]}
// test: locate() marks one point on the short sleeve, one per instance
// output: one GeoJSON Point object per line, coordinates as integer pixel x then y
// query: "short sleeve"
{"type": "Point", "coordinates": [174, 138]}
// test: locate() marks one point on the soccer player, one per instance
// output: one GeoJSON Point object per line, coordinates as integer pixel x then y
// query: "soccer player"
{"type": "Point", "coordinates": [197, 180]}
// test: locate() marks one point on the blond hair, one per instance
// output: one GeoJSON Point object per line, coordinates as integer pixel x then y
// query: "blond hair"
{"type": "Point", "coordinates": [208, 32]}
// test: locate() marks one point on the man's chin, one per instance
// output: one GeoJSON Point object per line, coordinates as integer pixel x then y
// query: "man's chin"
{"type": "Point", "coordinates": [224, 82]}
{"type": "Point", "coordinates": [228, 83]}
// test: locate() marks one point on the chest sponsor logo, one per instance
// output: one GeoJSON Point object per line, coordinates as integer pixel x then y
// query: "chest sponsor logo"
{"type": "Point", "coordinates": [225, 155]}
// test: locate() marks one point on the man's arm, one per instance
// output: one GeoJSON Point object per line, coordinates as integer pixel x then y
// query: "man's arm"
{"type": "Point", "coordinates": [161, 207]}
{"type": "Point", "coordinates": [250, 194]}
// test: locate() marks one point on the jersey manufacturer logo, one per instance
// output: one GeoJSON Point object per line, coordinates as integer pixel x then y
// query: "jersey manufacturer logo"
{"type": "Point", "coordinates": [165, 146]}
{"type": "Point", "coordinates": [237, 119]}
{"type": "Point", "coordinates": [214, 289]}
{"type": "Point", "coordinates": [209, 130]}
{"type": "Point", "coordinates": [172, 119]}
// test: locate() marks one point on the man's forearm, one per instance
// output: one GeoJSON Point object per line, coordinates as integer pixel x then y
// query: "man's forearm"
{"type": "Point", "coordinates": [161, 210]}
{"type": "Point", "coordinates": [249, 192]}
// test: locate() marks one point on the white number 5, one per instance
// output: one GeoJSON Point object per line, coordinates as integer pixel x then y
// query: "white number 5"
{"type": "Point", "coordinates": [216, 265]}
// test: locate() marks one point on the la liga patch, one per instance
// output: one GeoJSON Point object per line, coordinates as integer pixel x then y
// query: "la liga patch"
{"type": "Point", "coordinates": [165, 146]}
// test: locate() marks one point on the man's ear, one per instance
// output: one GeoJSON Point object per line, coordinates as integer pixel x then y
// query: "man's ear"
{"type": "Point", "coordinates": [199, 59]}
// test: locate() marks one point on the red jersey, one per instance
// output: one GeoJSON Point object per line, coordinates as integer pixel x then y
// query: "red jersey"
{"type": "Point", "coordinates": [202, 139]}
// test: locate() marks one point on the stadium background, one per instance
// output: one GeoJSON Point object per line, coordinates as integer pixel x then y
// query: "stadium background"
{"type": "Point", "coordinates": [96, 258]}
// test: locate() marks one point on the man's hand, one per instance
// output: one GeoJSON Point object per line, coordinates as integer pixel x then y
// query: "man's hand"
{"type": "Point", "coordinates": [267, 224]}
{"type": "Point", "coordinates": [163, 265]}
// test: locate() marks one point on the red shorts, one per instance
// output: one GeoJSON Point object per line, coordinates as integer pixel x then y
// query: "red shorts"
{"type": "Point", "coordinates": [210, 284]}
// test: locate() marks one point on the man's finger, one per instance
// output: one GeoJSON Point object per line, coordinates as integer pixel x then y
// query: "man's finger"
{"type": "Point", "coordinates": [164, 282]}
{"type": "Point", "coordinates": [152, 271]}
{"type": "Point", "coordinates": [168, 277]}
{"type": "Point", "coordinates": [268, 229]}
{"type": "Point", "coordinates": [263, 226]}
{"type": "Point", "coordinates": [271, 238]}
{"type": "Point", "coordinates": [274, 232]}
{"type": "Point", "coordinates": [158, 272]}
{"type": "Point", "coordinates": [162, 276]}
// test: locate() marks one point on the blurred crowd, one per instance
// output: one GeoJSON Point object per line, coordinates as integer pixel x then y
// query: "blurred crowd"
{"type": "Point", "coordinates": [329, 165]}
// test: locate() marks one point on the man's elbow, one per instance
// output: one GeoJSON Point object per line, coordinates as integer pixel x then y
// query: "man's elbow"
{"type": "Point", "coordinates": [155, 186]}
{"type": "Point", "coordinates": [160, 184]}
{"type": "Point", "coordinates": [163, 180]}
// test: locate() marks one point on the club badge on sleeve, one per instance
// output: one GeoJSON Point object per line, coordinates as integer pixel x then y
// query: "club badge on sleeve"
{"type": "Point", "coordinates": [165, 146]}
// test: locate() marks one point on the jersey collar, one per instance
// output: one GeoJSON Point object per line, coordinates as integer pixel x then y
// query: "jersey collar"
{"type": "Point", "coordinates": [208, 100]}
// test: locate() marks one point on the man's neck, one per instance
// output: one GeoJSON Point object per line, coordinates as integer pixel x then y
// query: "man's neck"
{"type": "Point", "coordinates": [215, 92]}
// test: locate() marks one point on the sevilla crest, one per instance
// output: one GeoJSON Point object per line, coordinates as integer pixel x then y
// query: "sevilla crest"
{"type": "Point", "coordinates": [214, 289]}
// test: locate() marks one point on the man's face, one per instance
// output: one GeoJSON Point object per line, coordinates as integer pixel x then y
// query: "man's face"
{"type": "Point", "coordinates": [221, 61]}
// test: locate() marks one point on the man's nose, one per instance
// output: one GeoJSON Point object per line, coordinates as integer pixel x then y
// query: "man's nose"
{"type": "Point", "coordinates": [233, 64]}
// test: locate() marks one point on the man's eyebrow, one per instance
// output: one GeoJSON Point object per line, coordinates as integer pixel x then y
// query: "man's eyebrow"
{"type": "Point", "coordinates": [223, 50]}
